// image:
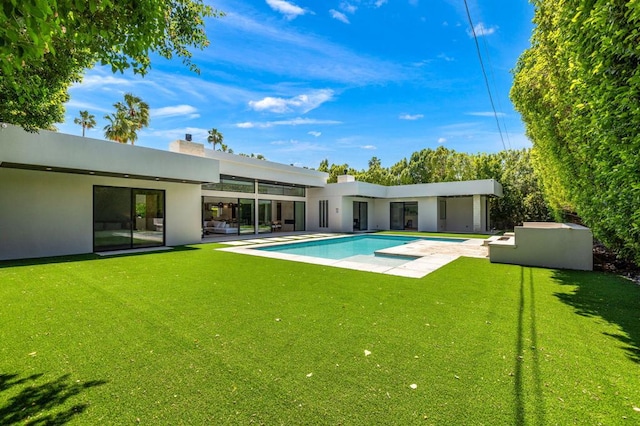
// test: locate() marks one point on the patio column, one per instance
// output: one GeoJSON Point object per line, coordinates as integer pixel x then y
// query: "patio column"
{"type": "Point", "coordinates": [477, 213]}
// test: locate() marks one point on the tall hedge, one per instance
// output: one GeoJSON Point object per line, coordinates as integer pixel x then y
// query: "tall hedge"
{"type": "Point", "coordinates": [578, 90]}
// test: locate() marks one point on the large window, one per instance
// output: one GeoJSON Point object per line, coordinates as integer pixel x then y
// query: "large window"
{"type": "Point", "coordinates": [299, 207]}
{"type": "Point", "coordinates": [231, 185]}
{"type": "Point", "coordinates": [323, 214]}
{"type": "Point", "coordinates": [246, 218]}
{"type": "Point", "coordinates": [360, 213]}
{"type": "Point", "coordinates": [404, 216]}
{"type": "Point", "coordinates": [264, 216]}
{"type": "Point", "coordinates": [276, 189]}
{"type": "Point", "coordinates": [125, 218]}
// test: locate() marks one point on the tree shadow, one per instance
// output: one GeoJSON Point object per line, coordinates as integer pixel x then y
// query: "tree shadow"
{"type": "Point", "coordinates": [606, 296]}
{"type": "Point", "coordinates": [526, 326]}
{"type": "Point", "coordinates": [35, 404]}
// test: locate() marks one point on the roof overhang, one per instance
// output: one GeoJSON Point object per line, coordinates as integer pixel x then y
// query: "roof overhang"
{"type": "Point", "coordinates": [488, 187]}
{"type": "Point", "coordinates": [57, 152]}
{"type": "Point", "coordinates": [266, 171]}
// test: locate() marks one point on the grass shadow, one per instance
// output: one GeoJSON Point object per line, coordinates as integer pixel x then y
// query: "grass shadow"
{"type": "Point", "coordinates": [84, 257]}
{"type": "Point", "coordinates": [605, 296]}
{"type": "Point", "coordinates": [36, 403]}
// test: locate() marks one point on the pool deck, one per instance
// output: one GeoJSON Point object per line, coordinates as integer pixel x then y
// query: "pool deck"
{"type": "Point", "coordinates": [429, 255]}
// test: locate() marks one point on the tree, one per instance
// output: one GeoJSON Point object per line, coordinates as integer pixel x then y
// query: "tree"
{"type": "Point", "coordinates": [130, 116]}
{"type": "Point", "coordinates": [137, 112]}
{"type": "Point", "coordinates": [523, 198]}
{"type": "Point", "coordinates": [577, 89]}
{"type": "Point", "coordinates": [46, 46]}
{"type": "Point", "coordinates": [215, 138]}
{"type": "Point", "coordinates": [33, 96]}
{"type": "Point", "coordinates": [86, 120]}
{"type": "Point", "coordinates": [119, 127]}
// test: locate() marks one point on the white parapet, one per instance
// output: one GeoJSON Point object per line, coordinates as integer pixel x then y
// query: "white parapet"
{"type": "Point", "coordinates": [546, 244]}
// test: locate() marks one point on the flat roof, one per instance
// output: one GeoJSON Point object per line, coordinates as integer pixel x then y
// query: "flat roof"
{"type": "Point", "coordinates": [63, 153]}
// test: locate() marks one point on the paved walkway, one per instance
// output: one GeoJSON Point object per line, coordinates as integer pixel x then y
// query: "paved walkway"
{"type": "Point", "coordinates": [412, 260]}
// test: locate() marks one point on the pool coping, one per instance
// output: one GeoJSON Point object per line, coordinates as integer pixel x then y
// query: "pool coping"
{"type": "Point", "coordinates": [429, 255]}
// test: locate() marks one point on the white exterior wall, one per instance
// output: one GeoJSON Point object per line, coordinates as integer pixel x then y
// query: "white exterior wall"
{"type": "Point", "coordinates": [380, 216]}
{"type": "Point", "coordinates": [428, 214]}
{"type": "Point", "coordinates": [546, 244]}
{"type": "Point", "coordinates": [50, 214]}
{"type": "Point", "coordinates": [460, 214]}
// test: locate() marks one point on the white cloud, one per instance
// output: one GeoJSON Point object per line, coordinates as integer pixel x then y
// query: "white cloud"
{"type": "Point", "coordinates": [292, 122]}
{"type": "Point", "coordinates": [314, 133]}
{"type": "Point", "coordinates": [301, 103]}
{"type": "Point", "coordinates": [348, 7]}
{"type": "Point", "coordinates": [379, 3]}
{"type": "Point", "coordinates": [98, 80]}
{"type": "Point", "coordinates": [296, 146]}
{"type": "Point", "coordinates": [481, 30]}
{"type": "Point", "coordinates": [88, 106]}
{"type": "Point", "coordinates": [175, 111]}
{"type": "Point", "coordinates": [369, 147]}
{"type": "Point", "coordinates": [282, 50]}
{"type": "Point", "coordinates": [339, 16]}
{"type": "Point", "coordinates": [487, 114]}
{"type": "Point", "coordinates": [442, 140]}
{"type": "Point", "coordinates": [289, 10]}
{"type": "Point", "coordinates": [445, 58]}
{"type": "Point", "coordinates": [411, 117]}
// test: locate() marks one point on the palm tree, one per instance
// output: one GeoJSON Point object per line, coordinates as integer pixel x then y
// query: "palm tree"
{"type": "Point", "coordinates": [137, 112]}
{"type": "Point", "coordinates": [130, 116]}
{"type": "Point", "coordinates": [119, 127]}
{"type": "Point", "coordinates": [86, 120]}
{"type": "Point", "coordinates": [215, 137]}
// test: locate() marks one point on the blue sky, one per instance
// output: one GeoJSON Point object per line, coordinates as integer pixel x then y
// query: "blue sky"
{"type": "Point", "coordinates": [300, 81]}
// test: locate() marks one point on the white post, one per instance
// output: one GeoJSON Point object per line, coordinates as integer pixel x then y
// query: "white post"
{"type": "Point", "coordinates": [477, 213]}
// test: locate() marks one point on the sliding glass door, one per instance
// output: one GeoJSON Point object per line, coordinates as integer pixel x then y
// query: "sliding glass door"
{"type": "Point", "coordinates": [404, 216]}
{"type": "Point", "coordinates": [299, 213]}
{"type": "Point", "coordinates": [125, 218]}
{"type": "Point", "coordinates": [264, 216]}
{"type": "Point", "coordinates": [360, 213]}
{"type": "Point", "coordinates": [246, 216]}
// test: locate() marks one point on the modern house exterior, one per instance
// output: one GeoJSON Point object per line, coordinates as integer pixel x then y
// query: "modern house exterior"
{"type": "Point", "coordinates": [62, 194]}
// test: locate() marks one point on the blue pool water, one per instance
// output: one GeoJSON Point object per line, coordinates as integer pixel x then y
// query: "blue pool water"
{"type": "Point", "coordinates": [341, 248]}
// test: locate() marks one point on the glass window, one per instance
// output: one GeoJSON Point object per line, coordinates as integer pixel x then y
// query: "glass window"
{"type": "Point", "coordinates": [299, 208]}
{"type": "Point", "coordinates": [125, 218]}
{"type": "Point", "coordinates": [246, 216]}
{"type": "Point", "coordinates": [264, 216]}
{"type": "Point", "coordinates": [275, 189]}
{"type": "Point", "coordinates": [323, 214]}
{"type": "Point", "coordinates": [231, 185]}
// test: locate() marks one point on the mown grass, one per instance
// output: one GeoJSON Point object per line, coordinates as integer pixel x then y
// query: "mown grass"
{"type": "Point", "coordinates": [198, 336]}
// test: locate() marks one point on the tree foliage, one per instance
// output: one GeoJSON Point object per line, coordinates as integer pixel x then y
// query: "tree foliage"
{"type": "Point", "coordinates": [129, 117]}
{"type": "Point", "coordinates": [45, 47]}
{"type": "Point", "coordinates": [215, 138]}
{"type": "Point", "coordinates": [578, 90]}
{"type": "Point", "coordinates": [522, 201]}
{"type": "Point", "coordinates": [86, 120]}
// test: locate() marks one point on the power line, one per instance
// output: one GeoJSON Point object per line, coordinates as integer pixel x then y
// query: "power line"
{"type": "Point", "coordinates": [484, 73]}
{"type": "Point", "coordinates": [493, 81]}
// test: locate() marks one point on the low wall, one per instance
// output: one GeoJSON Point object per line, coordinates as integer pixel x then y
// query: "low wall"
{"type": "Point", "coordinates": [545, 244]}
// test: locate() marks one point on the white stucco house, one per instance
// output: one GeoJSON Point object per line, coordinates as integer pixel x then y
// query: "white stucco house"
{"type": "Point", "coordinates": [62, 194]}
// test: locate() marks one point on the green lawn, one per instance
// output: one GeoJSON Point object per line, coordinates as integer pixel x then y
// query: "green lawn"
{"type": "Point", "coordinates": [197, 336]}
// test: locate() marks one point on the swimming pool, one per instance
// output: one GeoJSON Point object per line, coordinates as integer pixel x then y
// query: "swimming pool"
{"type": "Point", "coordinates": [344, 247]}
